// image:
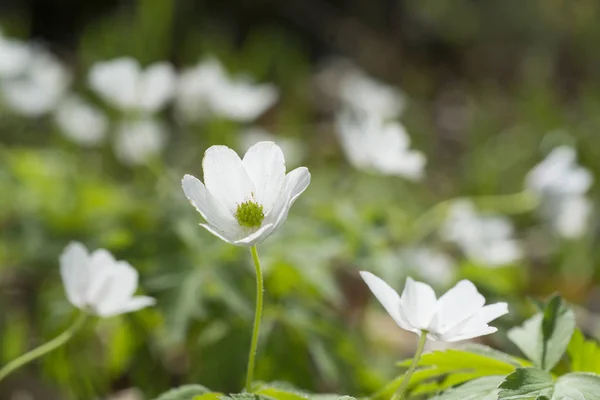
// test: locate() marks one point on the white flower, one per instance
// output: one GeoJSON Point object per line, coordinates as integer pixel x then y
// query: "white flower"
{"type": "Point", "coordinates": [14, 57]}
{"type": "Point", "coordinates": [359, 92]}
{"type": "Point", "coordinates": [122, 83]}
{"type": "Point", "coordinates": [561, 185]}
{"type": "Point", "coordinates": [372, 144]}
{"type": "Point", "coordinates": [139, 140]}
{"type": "Point", "coordinates": [293, 149]}
{"type": "Point", "coordinates": [207, 89]}
{"type": "Point", "coordinates": [459, 314]}
{"type": "Point", "coordinates": [38, 88]}
{"type": "Point", "coordinates": [97, 283]}
{"type": "Point", "coordinates": [483, 238]}
{"type": "Point", "coordinates": [81, 122]}
{"type": "Point", "coordinates": [244, 201]}
{"type": "Point", "coordinates": [573, 217]}
{"type": "Point", "coordinates": [432, 265]}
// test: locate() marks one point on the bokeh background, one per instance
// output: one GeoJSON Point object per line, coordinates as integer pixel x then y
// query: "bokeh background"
{"type": "Point", "coordinates": [484, 90]}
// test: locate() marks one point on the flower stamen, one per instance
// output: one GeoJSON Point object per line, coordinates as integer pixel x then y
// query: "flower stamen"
{"type": "Point", "coordinates": [250, 214]}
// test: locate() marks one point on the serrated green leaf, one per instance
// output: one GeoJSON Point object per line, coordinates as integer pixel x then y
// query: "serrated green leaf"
{"type": "Point", "coordinates": [577, 386]}
{"type": "Point", "coordinates": [544, 337]}
{"type": "Point", "coordinates": [187, 392]}
{"type": "Point", "coordinates": [246, 396]}
{"type": "Point", "coordinates": [281, 394]}
{"type": "Point", "coordinates": [209, 396]}
{"type": "Point", "coordinates": [584, 354]}
{"type": "Point", "coordinates": [536, 384]}
{"type": "Point", "coordinates": [485, 388]}
{"type": "Point", "coordinates": [525, 384]}
{"type": "Point", "coordinates": [456, 366]}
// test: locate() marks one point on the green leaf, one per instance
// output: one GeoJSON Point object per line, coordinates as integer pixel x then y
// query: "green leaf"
{"type": "Point", "coordinates": [526, 383]}
{"type": "Point", "coordinates": [584, 354]}
{"type": "Point", "coordinates": [246, 396]}
{"type": "Point", "coordinates": [485, 388]}
{"type": "Point", "coordinates": [455, 366]}
{"type": "Point", "coordinates": [282, 394]}
{"type": "Point", "coordinates": [536, 384]}
{"type": "Point", "coordinates": [187, 392]}
{"type": "Point", "coordinates": [544, 337]}
{"type": "Point", "coordinates": [577, 386]}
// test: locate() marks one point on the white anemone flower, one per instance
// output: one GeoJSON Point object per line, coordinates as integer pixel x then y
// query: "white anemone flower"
{"type": "Point", "coordinates": [245, 200]}
{"type": "Point", "coordinates": [125, 85]}
{"type": "Point", "coordinates": [486, 239]}
{"type": "Point", "coordinates": [97, 283]}
{"type": "Point", "coordinates": [39, 87]}
{"type": "Point", "coordinates": [137, 141]}
{"type": "Point", "coordinates": [14, 56]}
{"type": "Point", "coordinates": [561, 184]}
{"type": "Point", "coordinates": [358, 92]}
{"type": "Point", "coordinates": [372, 144]}
{"type": "Point", "coordinates": [207, 89]}
{"type": "Point", "coordinates": [81, 122]}
{"type": "Point", "coordinates": [459, 314]}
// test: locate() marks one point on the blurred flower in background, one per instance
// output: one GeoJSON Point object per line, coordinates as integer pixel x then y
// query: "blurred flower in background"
{"type": "Point", "coordinates": [372, 144]}
{"type": "Point", "coordinates": [207, 89]}
{"type": "Point", "coordinates": [562, 185]}
{"type": "Point", "coordinates": [14, 56]}
{"type": "Point", "coordinates": [81, 122]}
{"type": "Point", "coordinates": [485, 239]}
{"type": "Point", "coordinates": [39, 85]}
{"type": "Point", "coordinates": [137, 141]}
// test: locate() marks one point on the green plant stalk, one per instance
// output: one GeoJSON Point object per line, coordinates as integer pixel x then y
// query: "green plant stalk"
{"type": "Point", "coordinates": [257, 318]}
{"type": "Point", "coordinates": [406, 380]}
{"type": "Point", "coordinates": [45, 348]}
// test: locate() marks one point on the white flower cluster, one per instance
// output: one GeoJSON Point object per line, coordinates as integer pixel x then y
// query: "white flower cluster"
{"type": "Point", "coordinates": [371, 136]}
{"type": "Point", "coordinates": [34, 83]}
{"type": "Point", "coordinates": [561, 185]}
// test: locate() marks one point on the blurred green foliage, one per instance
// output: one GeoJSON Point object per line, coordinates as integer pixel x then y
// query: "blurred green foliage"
{"type": "Point", "coordinates": [514, 71]}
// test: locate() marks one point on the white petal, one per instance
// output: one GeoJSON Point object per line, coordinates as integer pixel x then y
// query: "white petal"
{"type": "Point", "coordinates": [225, 177]}
{"type": "Point", "coordinates": [256, 237]}
{"type": "Point", "coordinates": [418, 303]}
{"type": "Point", "coordinates": [455, 306]}
{"type": "Point", "coordinates": [484, 330]}
{"type": "Point", "coordinates": [137, 141]}
{"type": "Point", "coordinates": [211, 210]}
{"type": "Point", "coordinates": [265, 165]}
{"type": "Point", "coordinates": [116, 81]}
{"type": "Point", "coordinates": [133, 304]}
{"type": "Point", "coordinates": [388, 297]}
{"type": "Point", "coordinates": [226, 237]}
{"type": "Point", "coordinates": [119, 286]}
{"type": "Point", "coordinates": [295, 183]}
{"type": "Point", "coordinates": [75, 273]}
{"type": "Point", "coordinates": [156, 86]}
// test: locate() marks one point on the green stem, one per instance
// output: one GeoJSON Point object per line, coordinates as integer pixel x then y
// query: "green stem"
{"type": "Point", "coordinates": [257, 317]}
{"type": "Point", "coordinates": [405, 381]}
{"type": "Point", "coordinates": [45, 348]}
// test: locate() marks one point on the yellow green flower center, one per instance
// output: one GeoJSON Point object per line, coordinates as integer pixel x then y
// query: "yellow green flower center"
{"type": "Point", "coordinates": [250, 214]}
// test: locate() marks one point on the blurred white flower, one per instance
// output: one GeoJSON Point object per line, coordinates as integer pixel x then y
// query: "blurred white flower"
{"type": "Point", "coordinates": [138, 140]}
{"type": "Point", "coordinates": [207, 89]}
{"type": "Point", "coordinates": [14, 56]}
{"type": "Point", "coordinates": [459, 314]}
{"type": "Point", "coordinates": [293, 149]}
{"type": "Point", "coordinates": [434, 266]}
{"type": "Point", "coordinates": [561, 185]}
{"type": "Point", "coordinates": [359, 92]}
{"type": "Point", "coordinates": [486, 239]}
{"type": "Point", "coordinates": [244, 201]}
{"type": "Point", "coordinates": [372, 144]}
{"type": "Point", "coordinates": [81, 122]}
{"type": "Point", "coordinates": [123, 84]}
{"type": "Point", "coordinates": [97, 283]}
{"type": "Point", "coordinates": [39, 86]}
